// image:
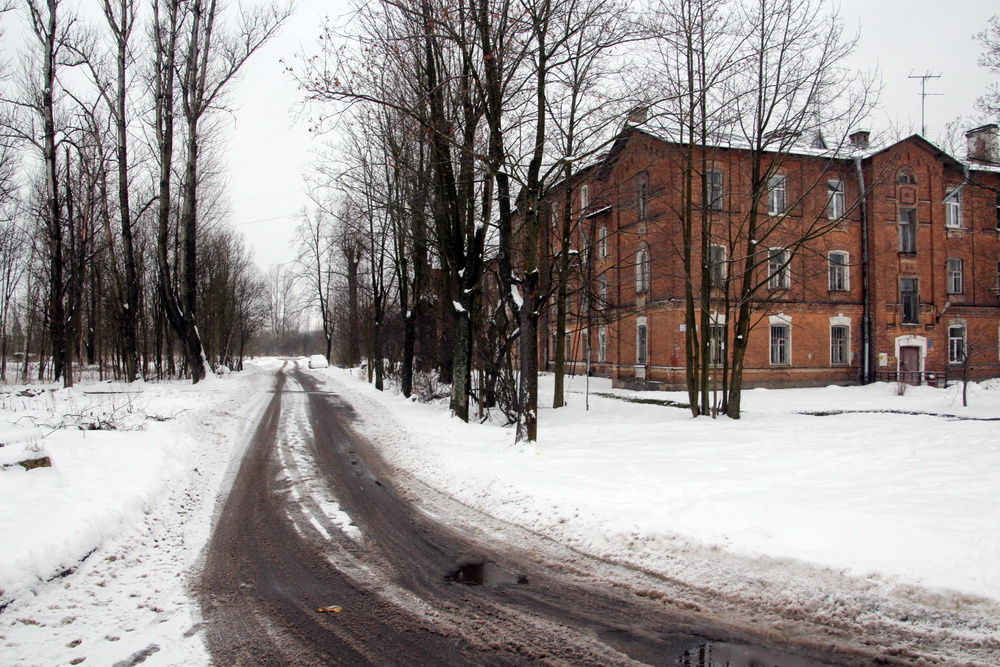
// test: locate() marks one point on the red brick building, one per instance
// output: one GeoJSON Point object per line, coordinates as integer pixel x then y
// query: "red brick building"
{"type": "Point", "coordinates": [882, 263]}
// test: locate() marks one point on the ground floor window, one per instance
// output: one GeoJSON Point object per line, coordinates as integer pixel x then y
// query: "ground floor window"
{"type": "Point", "coordinates": [781, 345]}
{"type": "Point", "coordinates": [641, 343]}
{"type": "Point", "coordinates": [602, 345]}
{"type": "Point", "coordinates": [956, 344]}
{"type": "Point", "coordinates": [716, 344]}
{"type": "Point", "coordinates": [840, 345]}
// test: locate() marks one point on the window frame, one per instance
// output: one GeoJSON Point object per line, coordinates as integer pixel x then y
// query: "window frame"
{"type": "Point", "coordinates": [953, 207]}
{"type": "Point", "coordinates": [718, 269]}
{"type": "Point", "coordinates": [836, 198]}
{"type": "Point", "coordinates": [907, 222]}
{"type": "Point", "coordinates": [602, 345]}
{"type": "Point", "coordinates": [839, 273]}
{"type": "Point", "coordinates": [716, 344]}
{"type": "Point", "coordinates": [602, 241]}
{"type": "Point", "coordinates": [781, 346]}
{"type": "Point", "coordinates": [955, 272]}
{"type": "Point", "coordinates": [957, 344]}
{"type": "Point", "coordinates": [642, 198]}
{"type": "Point", "coordinates": [840, 347]}
{"type": "Point", "coordinates": [713, 190]}
{"type": "Point", "coordinates": [777, 194]}
{"type": "Point", "coordinates": [642, 278]}
{"type": "Point", "coordinates": [909, 300]}
{"type": "Point", "coordinates": [779, 275]}
{"type": "Point", "coordinates": [584, 196]}
{"type": "Point", "coordinates": [641, 342]}
{"type": "Point", "coordinates": [602, 291]}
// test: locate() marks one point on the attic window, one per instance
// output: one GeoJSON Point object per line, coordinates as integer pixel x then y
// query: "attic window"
{"type": "Point", "coordinates": [906, 178]}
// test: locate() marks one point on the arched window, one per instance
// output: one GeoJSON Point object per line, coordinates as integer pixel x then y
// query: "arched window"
{"type": "Point", "coordinates": [642, 270]}
{"type": "Point", "coordinates": [906, 178]}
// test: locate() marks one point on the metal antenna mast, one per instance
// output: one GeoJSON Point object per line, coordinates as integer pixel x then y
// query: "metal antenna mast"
{"type": "Point", "coordinates": [923, 96]}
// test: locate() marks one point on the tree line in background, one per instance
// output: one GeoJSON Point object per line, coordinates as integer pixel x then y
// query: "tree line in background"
{"type": "Point", "coordinates": [445, 222]}
{"type": "Point", "coordinates": [111, 200]}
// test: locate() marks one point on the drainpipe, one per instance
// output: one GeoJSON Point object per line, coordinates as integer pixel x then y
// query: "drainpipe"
{"type": "Point", "coordinates": [866, 319]}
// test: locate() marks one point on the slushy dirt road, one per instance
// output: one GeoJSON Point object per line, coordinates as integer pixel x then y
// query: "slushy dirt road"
{"type": "Point", "coordinates": [321, 556]}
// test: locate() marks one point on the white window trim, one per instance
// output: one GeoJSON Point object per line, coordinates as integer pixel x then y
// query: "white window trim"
{"type": "Point", "coordinates": [965, 339]}
{"type": "Point", "coordinates": [955, 279]}
{"type": "Point", "coordinates": [781, 279]}
{"type": "Point", "coordinates": [642, 277]}
{"type": "Point", "coordinates": [723, 265]}
{"type": "Point", "coordinates": [845, 267]}
{"type": "Point", "coordinates": [953, 208]}
{"type": "Point", "coordinates": [777, 184]}
{"type": "Point", "coordinates": [584, 197]}
{"type": "Point", "coordinates": [779, 320]}
{"type": "Point", "coordinates": [602, 242]}
{"type": "Point", "coordinates": [840, 321]}
{"type": "Point", "coordinates": [640, 323]}
{"type": "Point", "coordinates": [713, 202]}
{"type": "Point", "coordinates": [836, 198]}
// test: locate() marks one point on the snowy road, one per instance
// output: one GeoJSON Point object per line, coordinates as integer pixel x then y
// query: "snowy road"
{"type": "Point", "coordinates": [318, 559]}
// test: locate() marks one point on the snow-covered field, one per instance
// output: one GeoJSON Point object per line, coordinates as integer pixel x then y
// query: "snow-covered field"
{"type": "Point", "coordinates": [880, 502]}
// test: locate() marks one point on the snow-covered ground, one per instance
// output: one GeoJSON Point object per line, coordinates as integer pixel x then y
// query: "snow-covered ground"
{"type": "Point", "coordinates": [139, 500]}
{"type": "Point", "coordinates": [886, 503]}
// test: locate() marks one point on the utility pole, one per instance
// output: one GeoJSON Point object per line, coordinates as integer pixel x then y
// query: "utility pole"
{"type": "Point", "coordinates": [923, 96]}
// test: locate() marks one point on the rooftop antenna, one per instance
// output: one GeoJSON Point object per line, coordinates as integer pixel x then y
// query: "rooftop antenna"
{"type": "Point", "coordinates": [923, 96]}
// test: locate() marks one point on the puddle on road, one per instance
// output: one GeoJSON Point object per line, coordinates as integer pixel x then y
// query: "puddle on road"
{"type": "Point", "coordinates": [720, 654]}
{"type": "Point", "coordinates": [485, 574]}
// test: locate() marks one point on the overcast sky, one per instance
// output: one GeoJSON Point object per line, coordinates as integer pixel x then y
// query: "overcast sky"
{"type": "Point", "coordinates": [270, 150]}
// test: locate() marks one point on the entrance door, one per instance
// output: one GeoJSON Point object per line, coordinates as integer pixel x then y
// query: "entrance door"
{"type": "Point", "coordinates": [909, 364]}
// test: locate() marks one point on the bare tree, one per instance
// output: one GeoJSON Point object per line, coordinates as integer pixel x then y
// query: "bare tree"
{"type": "Point", "coordinates": [198, 55]}
{"type": "Point", "coordinates": [989, 102]}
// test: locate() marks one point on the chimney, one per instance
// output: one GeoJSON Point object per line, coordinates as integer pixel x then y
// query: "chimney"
{"type": "Point", "coordinates": [860, 138]}
{"type": "Point", "coordinates": [983, 144]}
{"type": "Point", "coordinates": [638, 115]}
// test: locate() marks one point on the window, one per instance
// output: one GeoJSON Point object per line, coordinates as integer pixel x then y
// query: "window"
{"type": "Point", "coordinates": [909, 300]}
{"type": "Point", "coordinates": [953, 207]}
{"type": "Point", "coordinates": [717, 264]}
{"type": "Point", "coordinates": [997, 287]}
{"type": "Point", "coordinates": [840, 276]}
{"type": "Point", "coordinates": [998, 211]}
{"type": "Point", "coordinates": [779, 275]}
{"type": "Point", "coordinates": [642, 270]}
{"type": "Point", "coordinates": [956, 277]}
{"type": "Point", "coordinates": [713, 190]}
{"type": "Point", "coordinates": [642, 197]}
{"type": "Point", "coordinates": [602, 291]}
{"type": "Point", "coordinates": [781, 344]}
{"type": "Point", "coordinates": [776, 195]}
{"type": "Point", "coordinates": [956, 344]}
{"type": "Point", "coordinates": [602, 345]}
{"type": "Point", "coordinates": [840, 345]}
{"type": "Point", "coordinates": [716, 344]}
{"type": "Point", "coordinates": [836, 202]}
{"type": "Point", "coordinates": [602, 242]}
{"type": "Point", "coordinates": [641, 342]}
{"type": "Point", "coordinates": [584, 197]}
{"type": "Point", "coordinates": [568, 351]}
{"type": "Point", "coordinates": [906, 178]}
{"type": "Point", "coordinates": [907, 230]}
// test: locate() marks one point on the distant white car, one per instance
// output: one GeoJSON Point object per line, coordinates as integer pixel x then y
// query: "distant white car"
{"type": "Point", "coordinates": [318, 361]}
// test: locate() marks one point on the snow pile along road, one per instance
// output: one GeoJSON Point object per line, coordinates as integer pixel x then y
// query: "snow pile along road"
{"type": "Point", "coordinates": [872, 520]}
{"type": "Point", "coordinates": [97, 549]}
